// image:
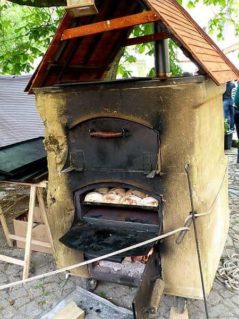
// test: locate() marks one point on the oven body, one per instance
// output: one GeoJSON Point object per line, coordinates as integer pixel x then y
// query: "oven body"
{"type": "Point", "coordinates": [161, 126]}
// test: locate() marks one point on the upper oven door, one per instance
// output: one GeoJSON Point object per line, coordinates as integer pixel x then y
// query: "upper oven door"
{"type": "Point", "coordinates": [110, 144]}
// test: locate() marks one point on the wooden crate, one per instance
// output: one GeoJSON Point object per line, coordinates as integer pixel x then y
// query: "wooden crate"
{"type": "Point", "coordinates": [39, 231]}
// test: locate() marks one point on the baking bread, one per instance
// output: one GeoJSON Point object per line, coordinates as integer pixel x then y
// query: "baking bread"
{"type": "Point", "coordinates": [136, 193]}
{"type": "Point", "coordinates": [94, 197]}
{"type": "Point", "coordinates": [149, 201]}
{"type": "Point", "coordinates": [102, 190]}
{"type": "Point", "coordinates": [112, 198]}
{"type": "Point", "coordinates": [117, 191]}
{"type": "Point", "coordinates": [130, 200]}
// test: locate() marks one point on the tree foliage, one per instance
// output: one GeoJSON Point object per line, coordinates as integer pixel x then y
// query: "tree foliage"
{"type": "Point", "coordinates": [40, 3]}
{"type": "Point", "coordinates": [25, 33]}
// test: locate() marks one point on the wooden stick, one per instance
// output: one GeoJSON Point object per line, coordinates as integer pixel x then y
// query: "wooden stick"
{"type": "Point", "coordinates": [5, 228]}
{"type": "Point", "coordinates": [44, 216]}
{"type": "Point", "coordinates": [34, 241]}
{"type": "Point", "coordinates": [109, 25]}
{"type": "Point", "coordinates": [29, 232]}
{"type": "Point", "coordinates": [147, 38]}
{"type": "Point", "coordinates": [40, 184]}
{"type": "Point", "coordinates": [11, 260]}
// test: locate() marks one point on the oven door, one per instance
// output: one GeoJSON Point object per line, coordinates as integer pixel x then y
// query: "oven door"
{"type": "Point", "coordinates": [113, 145]}
{"type": "Point", "coordinates": [106, 228]}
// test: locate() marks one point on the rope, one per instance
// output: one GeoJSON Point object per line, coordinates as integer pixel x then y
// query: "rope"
{"type": "Point", "coordinates": [87, 262]}
{"type": "Point", "coordinates": [213, 202]}
{"type": "Point", "coordinates": [228, 272]}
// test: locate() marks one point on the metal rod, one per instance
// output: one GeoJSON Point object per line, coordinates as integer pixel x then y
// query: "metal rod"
{"type": "Point", "coordinates": [186, 167]}
{"type": "Point", "coordinates": [161, 53]}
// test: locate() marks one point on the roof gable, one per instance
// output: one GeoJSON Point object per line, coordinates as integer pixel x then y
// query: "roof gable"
{"type": "Point", "coordinates": [75, 55]}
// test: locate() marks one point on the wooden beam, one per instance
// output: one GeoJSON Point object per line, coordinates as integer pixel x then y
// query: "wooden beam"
{"type": "Point", "coordinates": [44, 216]}
{"type": "Point", "coordinates": [5, 228]}
{"type": "Point", "coordinates": [33, 242]}
{"type": "Point", "coordinates": [147, 38]}
{"type": "Point", "coordinates": [11, 260]}
{"type": "Point", "coordinates": [109, 25]}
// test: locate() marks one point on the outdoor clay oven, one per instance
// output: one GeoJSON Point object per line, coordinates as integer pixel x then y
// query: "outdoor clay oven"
{"type": "Point", "coordinates": [117, 150]}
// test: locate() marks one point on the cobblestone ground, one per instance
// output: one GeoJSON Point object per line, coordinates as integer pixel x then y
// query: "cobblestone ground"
{"type": "Point", "coordinates": [35, 298]}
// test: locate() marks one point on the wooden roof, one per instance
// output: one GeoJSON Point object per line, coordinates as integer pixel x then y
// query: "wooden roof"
{"type": "Point", "coordinates": [84, 48]}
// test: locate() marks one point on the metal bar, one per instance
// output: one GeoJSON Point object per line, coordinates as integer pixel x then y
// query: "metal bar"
{"type": "Point", "coordinates": [196, 238]}
{"type": "Point", "coordinates": [109, 25]}
{"type": "Point", "coordinates": [162, 67]}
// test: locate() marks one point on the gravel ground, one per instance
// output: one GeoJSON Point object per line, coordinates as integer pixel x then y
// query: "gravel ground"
{"type": "Point", "coordinates": [34, 299]}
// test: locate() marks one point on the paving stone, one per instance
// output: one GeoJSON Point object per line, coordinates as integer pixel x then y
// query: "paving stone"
{"type": "Point", "coordinates": [9, 313]}
{"type": "Point", "coordinates": [28, 308]}
{"type": "Point", "coordinates": [18, 293]}
{"type": "Point", "coordinates": [214, 298]}
{"type": "Point", "coordinates": [21, 302]}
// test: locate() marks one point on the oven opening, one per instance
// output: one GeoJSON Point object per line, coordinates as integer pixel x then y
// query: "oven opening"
{"type": "Point", "coordinates": [111, 217]}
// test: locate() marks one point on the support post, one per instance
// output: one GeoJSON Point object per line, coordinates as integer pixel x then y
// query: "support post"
{"type": "Point", "coordinates": [29, 232]}
{"type": "Point", "coordinates": [5, 228]}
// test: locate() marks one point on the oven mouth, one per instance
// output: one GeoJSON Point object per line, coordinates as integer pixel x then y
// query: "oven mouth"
{"type": "Point", "coordinates": [103, 227]}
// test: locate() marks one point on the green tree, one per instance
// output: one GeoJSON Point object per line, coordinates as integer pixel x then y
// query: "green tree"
{"type": "Point", "coordinates": [25, 33]}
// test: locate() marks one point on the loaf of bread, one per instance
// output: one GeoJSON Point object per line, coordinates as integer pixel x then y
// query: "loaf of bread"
{"type": "Point", "coordinates": [136, 193]}
{"type": "Point", "coordinates": [102, 190]}
{"type": "Point", "coordinates": [149, 201]}
{"type": "Point", "coordinates": [112, 198]}
{"type": "Point", "coordinates": [117, 191]}
{"type": "Point", "coordinates": [131, 200]}
{"type": "Point", "coordinates": [94, 197]}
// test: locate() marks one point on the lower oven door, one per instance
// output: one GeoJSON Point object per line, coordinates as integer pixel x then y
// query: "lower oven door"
{"type": "Point", "coordinates": [98, 239]}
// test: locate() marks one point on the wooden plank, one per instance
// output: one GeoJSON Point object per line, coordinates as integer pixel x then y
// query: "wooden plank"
{"type": "Point", "coordinates": [171, 22]}
{"type": "Point", "coordinates": [110, 25]}
{"type": "Point", "coordinates": [70, 311]}
{"type": "Point", "coordinates": [209, 58]}
{"type": "Point", "coordinates": [5, 228]}
{"type": "Point", "coordinates": [34, 242]}
{"type": "Point", "coordinates": [192, 42]}
{"type": "Point", "coordinates": [147, 38]}
{"type": "Point", "coordinates": [197, 38]}
{"type": "Point", "coordinates": [176, 16]}
{"type": "Point", "coordinates": [180, 28]}
{"type": "Point", "coordinates": [175, 315]}
{"type": "Point", "coordinates": [11, 260]}
{"type": "Point", "coordinates": [27, 256]}
{"type": "Point", "coordinates": [44, 216]}
{"type": "Point", "coordinates": [215, 66]}
{"type": "Point", "coordinates": [207, 52]}
{"type": "Point", "coordinates": [41, 184]}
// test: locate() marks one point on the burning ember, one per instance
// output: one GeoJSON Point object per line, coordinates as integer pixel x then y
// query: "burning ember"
{"type": "Point", "coordinates": [142, 259]}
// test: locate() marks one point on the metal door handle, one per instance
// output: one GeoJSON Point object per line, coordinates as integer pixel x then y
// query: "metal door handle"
{"type": "Point", "coordinates": [108, 134]}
